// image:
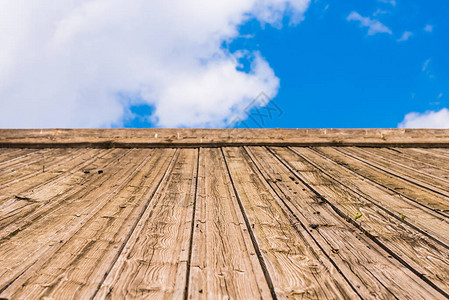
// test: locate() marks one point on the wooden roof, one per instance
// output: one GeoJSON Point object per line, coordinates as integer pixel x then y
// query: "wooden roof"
{"type": "Point", "coordinates": [244, 214]}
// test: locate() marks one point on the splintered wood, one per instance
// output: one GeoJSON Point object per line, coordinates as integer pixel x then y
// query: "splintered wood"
{"type": "Point", "coordinates": [224, 222]}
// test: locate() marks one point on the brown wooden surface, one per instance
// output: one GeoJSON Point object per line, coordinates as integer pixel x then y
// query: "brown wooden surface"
{"type": "Point", "coordinates": [125, 138]}
{"type": "Point", "coordinates": [236, 222]}
{"type": "Point", "coordinates": [296, 266]}
{"type": "Point", "coordinates": [220, 228]}
{"type": "Point", "coordinates": [403, 241]}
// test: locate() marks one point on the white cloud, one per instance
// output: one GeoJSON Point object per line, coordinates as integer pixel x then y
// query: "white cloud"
{"type": "Point", "coordinates": [391, 2]}
{"type": "Point", "coordinates": [380, 12]}
{"type": "Point", "coordinates": [65, 63]}
{"type": "Point", "coordinates": [405, 36]}
{"type": "Point", "coordinates": [428, 119]}
{"type": "Point", "coordinates": [426, 68]}
{"type": "Point", "coordinates": [425, 65]}
{"type": "Point", "coordinates": [374, 26]}
{"type": "Point", "coordinates": [428, 28]}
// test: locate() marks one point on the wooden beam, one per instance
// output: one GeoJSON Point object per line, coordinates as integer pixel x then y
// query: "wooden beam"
{"type": "Point", "coordinates": [153, 138]}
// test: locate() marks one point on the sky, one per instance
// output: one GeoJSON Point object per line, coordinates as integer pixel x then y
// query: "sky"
{"type": "Point", "coordinates": [224, 63]}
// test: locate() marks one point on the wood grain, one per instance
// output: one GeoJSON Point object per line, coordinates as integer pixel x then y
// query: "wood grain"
{"type": "Point", "coordinates": [419, 253]}
{"type": "Point", "coordinates": [435, 201]}
{"type": "Point", "coordinates": [227, 214]}
{"type": "Point", "coordinates": [32, 245]}
{"type": "Point", "coordinates": [77, 269]}
{"type": "Point", "coordinates": [362, 262]}
{"type": "Point", "coordinates": [296, 267]}
{"type": "Point", "coordinates": [154, 260]}
{"type": "Point", "coordinates": [224, 262]}
{"type": "Point", "coordinates": [422, 218]}
{"type": "Point", "coordinates": [106, 138]}
{"type": "Point", "coordinates": [410, 174]}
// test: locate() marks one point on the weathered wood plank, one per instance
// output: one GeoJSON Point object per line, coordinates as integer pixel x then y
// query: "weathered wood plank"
{"type": "Point", "coordinates": [442, 151]}
{"type": "Point", "coordinates": [405, 188]}
{"type": "Point", "coordinates": [154, 260]}
{"type": "Point", "coordinates": [40, 165]}
{"type": "Point", "coordinates": [224, 264]}
{"type": "Point", "coordinates": [411, 174]}
{"type": "Point", "coordinates": [8, 155]}
{"type": "Point", "coordinates": [30, 179]}
{"type": "Point", "coordinates": [436, 170]}
{"type": "Point", "coordinates": [423, 219]}
{"type": "Point", "coordinates": [431, 157]}
{"type": "Point", "coordinates": [20, 212]}
{"type": "Point", "coordinates": [417, 165]}
{"type": "Point", "coordinates": [364, 264]}
{"type": "Point", "coordinates": [418, 252]}
{"type": "Point", "coordinates": [78, 268]}
{"type": "Point", "coordinates": [207, 137]}
{"type": "Point", "coordinates": [28, 249]}
{"type": "Point", "coordinates": [30, 160]}
{"type": "Point", "coordinates": [296, 266]}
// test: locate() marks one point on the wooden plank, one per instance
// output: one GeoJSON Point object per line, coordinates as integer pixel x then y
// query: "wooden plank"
{"type": "Point", "coordinates": [418, 170]}
{"type": "Point", "coordinates": [409, 173]}
{"type": "Point", "coordinates": [421, 165]}
{"type": "Point", "coordinates": [19, 196]}
{"type": "Point", "coordinates": [405, 188]}
{"type": "Point", "coordinates": [39, 157]}
{"type": "Point", "coordinates": [421, 218]}
{"type": "Point", "coordinates": [154, 260]}
{"type": "Point", "coordinates": [441, 151]}
{"type": "Point", "coordinates": [22, 157]}
{"type": "Point", "coordinates": [78, 268]}
{"type": "Point", "coordinates": [13, 154]}
{"type": "Point", "coordinates": [416, 251]}
{"type": "Point", "coordinates": [296, 265]}
{"type": "Point", "coordinates": [432, 156]}
{"type": "Point", "coordinates": [21, 211]}
{"type": "Point", "coordinates": [33, 176]}
{"type": "Point", "coordinates": [224, 264]}
{"type": "Point", "coordinates": [28, 248]}
{"type": "Point", "coordinates": [156, 137]}
{"type": "Point", "coordinates": [363, 263]}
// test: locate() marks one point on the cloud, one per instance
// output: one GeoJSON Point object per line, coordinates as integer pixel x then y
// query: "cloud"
{"type": "Point", "coordinates": [440, 95]}
{"type": "Point", "coordinates": [405, 36]}
{"type": "Point", "coordinates": [374, 26]}
{"type": "Point", "coordinates": [380, 12]}
{"type": "Point", "coordinates": [428, 119]}
{"type": "Point", "coordinates": [426, 68]}
{"type": "Point", "coordinates": [425, 65]}
{"type": "Point", "coordinates": [391, 2]}
{"type": "Point", "coordinates": [428, 28]}
{"type": "Point", "coordinates": [85, 63]}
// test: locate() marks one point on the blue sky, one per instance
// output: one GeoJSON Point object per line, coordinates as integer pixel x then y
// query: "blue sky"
{"type": "Point", "coordinates": [322, 63]}
{"type": "Point", "coordinates": [333, 73]}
